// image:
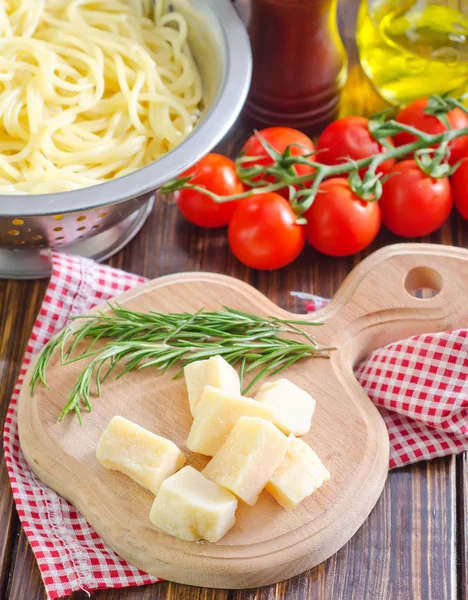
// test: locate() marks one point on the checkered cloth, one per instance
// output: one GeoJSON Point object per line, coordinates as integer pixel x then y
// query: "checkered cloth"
{"type": "Point", "coordinates": [419, 385]}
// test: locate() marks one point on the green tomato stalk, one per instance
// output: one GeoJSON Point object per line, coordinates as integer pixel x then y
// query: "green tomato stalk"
{"type": "Point", "coordinates": [429, 150]}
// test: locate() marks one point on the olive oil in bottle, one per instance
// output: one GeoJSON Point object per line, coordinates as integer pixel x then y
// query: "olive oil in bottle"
{"type": "Point", "coordinates": [413, 48]}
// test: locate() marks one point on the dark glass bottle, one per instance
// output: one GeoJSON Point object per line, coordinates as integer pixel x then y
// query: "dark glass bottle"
{"type": "Point", "coordinates": [299, 63]}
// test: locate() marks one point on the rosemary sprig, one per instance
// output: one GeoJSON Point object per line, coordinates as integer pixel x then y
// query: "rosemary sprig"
{"type": "Point", "coordinates": [136, 340]}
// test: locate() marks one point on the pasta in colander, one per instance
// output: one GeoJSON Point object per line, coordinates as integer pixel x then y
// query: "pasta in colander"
{"type": "Point", "coordinates": [90, 90]}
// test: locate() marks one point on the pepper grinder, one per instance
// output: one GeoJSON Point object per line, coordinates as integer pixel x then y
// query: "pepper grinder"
{"type": "Point", "coordinates": [299, 63]}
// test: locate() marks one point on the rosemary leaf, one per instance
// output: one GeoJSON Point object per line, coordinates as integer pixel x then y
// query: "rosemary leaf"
{"type": "Point", "coordinates": [134, 340]}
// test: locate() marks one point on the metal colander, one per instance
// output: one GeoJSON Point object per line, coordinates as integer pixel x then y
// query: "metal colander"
{"type": "Point", "coordinates": [97, 221]}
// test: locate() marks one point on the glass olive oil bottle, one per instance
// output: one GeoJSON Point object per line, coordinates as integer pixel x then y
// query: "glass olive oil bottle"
{"type": "Point", "coordinates": [414, 48]}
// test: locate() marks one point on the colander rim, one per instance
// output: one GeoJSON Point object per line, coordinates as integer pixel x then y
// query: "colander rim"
{"type": "Point", "coordinates": [219, 119]}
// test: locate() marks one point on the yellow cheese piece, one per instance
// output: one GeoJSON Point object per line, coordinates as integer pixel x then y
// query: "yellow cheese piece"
{"type": "Point", "coordinates": [144, 456]}
{"type": "Point", "coordinates": [215, 372]}
{"type": "Point", "coordinates": [299, 474]}
{"type": "Point", "coordinates": [191, 507]}
{"type": "Point", "coordinates": [217, 413]}
{"type": "Point", "coordinates": [293, 407]}
{"type": "Point", "coordinates": [248, 458]}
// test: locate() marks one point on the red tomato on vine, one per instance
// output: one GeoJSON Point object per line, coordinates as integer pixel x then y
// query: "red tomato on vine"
{"type": "Point", "coordinates": [263, 232]}
{"type": "Point", "coordinates": [350, 138]}
{"type": "Point", "coordinates": [414, 204]}
{"type": "Point", "coordinates": [217, 174]}
{"type": "Point", "coordinates": [278, 138]}
{"type": "Point", "coordinates": [339, 223]}
{"type": "Point", "coordinates": [415, 116]}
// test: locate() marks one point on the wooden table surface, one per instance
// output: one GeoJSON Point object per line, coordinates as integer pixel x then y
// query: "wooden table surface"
{"type": "Point", "coordinates": [414, 544]}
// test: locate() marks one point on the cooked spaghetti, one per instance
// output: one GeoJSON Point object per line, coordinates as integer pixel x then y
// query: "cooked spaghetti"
{"type": "Point", "coordinates": [90, 90]}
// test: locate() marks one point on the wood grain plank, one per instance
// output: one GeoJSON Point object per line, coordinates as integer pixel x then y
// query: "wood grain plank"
{"type": "Point", "coordinates": [8, 523]}
{"type": "Point", "coordinates": [9, 531]}
{"type": "Point", "coordinates": [400, 549]}
{"type": "Point", "coordinates": [159, 591]}
{"type": "Point", "coordinates": [25, 578]}
{"type": "Point", "coordinates": [19, 302]}
{"type": "Point", "coordinates": [462, 526]}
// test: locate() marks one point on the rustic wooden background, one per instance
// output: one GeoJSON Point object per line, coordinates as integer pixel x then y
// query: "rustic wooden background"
{"type": "Point", "coordinates": [414, 544]}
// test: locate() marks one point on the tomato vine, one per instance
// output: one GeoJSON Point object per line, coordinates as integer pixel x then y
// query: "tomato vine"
{"type": "Point", "coordinates": [430, 151]}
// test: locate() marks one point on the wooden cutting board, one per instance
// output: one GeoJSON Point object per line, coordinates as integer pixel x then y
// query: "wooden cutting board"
{"type": "Point", "coordinates": [374, 306]}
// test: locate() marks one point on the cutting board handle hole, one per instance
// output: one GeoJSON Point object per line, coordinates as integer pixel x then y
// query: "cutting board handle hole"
{"type": "Point", "coordinates": [423, 283]}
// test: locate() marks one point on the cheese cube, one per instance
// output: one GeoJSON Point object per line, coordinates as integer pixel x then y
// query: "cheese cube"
{"type": "Point", "coordinates": [293, 407]}
{"type": "Point", "coordinates": [215, 372]}
{"type": "Point", "coordinates": [248, 458]}
{"type": "Point", "coordinates": [144, 456]}
{"type": "Point", "coordinates": [217, 413]}
{"type": "Point", "coordinates": [191, 507]}
{"type": "Point", "coordinates": [299, 474]}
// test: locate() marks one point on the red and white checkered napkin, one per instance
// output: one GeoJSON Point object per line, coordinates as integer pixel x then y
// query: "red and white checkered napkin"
{"type": "Point", "coordinates": [419, 385]}
{"type": "Point", "coordinates": [71, 556]}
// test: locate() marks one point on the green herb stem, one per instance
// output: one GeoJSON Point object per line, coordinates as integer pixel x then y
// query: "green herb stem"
{"type": "Point", "coordinates": [135, 340]}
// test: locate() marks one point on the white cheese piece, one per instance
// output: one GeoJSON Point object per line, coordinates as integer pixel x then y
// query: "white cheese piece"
{"type": "Point", "coordinates": [300, 474]}
{"type": "Point", "coordinates": [191, 507]}
{"type": "Point", "coordinates": [215, 372]}
{"type": "Point", "coordinates": [217, 413]}
{"type": "Point", "coordinates": [144, 456]}
{"type": "Point", "coordinates": [248, 458]}
{"type": "Point", "coordinates": [293, 407]}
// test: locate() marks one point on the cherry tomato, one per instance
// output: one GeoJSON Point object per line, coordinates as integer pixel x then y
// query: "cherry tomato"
{"type": "Point", "coordinates": [263, 232]}
{"type": "Point", "coordinates": [217, 174]}
{"type": "Point", "coordinates": [339, 223]}
{"type": "Point", "coordinates": [460, 188]}
{"type": "Point", "coordinates": [350, 138]}
{"type": "Point", "coordinates": [279, 138]}
{"type": "Point", "coordinates": [414, 204]}
{"type": "Point", "coordinates": [415, 116]}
